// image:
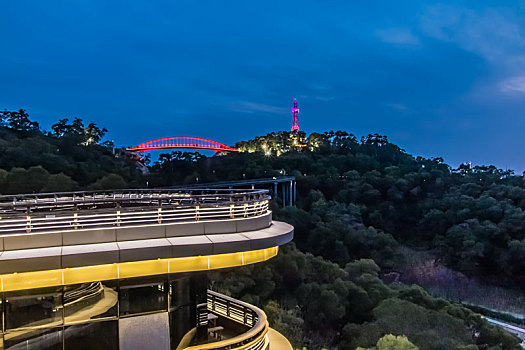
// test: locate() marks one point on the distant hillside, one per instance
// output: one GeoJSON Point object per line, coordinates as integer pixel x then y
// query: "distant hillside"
{"type": "Point", "coordinates": [369, 199]}
{"type": "Point", "coordinates": [365, 198]}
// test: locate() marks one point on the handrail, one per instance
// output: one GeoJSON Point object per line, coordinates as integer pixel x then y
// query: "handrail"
{"type": "Point", "coordinates": [162, 215]}
{"type": "Point", "coordinates": [238, 311]}
{"type": "Point", "coordinates": [144, 197]}
{"type": "Point", "coordinates": [248, 182]}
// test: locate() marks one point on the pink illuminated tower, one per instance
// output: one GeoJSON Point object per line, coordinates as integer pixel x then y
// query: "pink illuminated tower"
{"type": "Point", "coordinates": [295, 112]}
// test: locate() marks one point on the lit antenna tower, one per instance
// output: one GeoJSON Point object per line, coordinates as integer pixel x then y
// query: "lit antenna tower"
{"type": "Point", "coordinates": [295, 112]}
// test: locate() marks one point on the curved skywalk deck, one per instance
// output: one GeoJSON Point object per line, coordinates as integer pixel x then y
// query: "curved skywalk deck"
{"type": "Point", "coordinates": [67, 238]}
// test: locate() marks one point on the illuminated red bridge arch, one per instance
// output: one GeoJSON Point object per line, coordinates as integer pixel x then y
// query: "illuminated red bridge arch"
{"type": "Point", "coordinates": [182, 142]}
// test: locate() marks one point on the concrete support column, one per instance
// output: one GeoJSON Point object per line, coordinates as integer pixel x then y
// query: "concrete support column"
{"type": "Point", "coordinates": [294, 192]}
{"type": "Point", "coordinates": [290, 194]}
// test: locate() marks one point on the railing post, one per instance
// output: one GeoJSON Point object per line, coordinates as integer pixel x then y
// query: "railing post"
{"type": "Point", "coordinates": [232, 211]}
{"type": "Point", "coordinates": [75, 221]}
{"type": "Point", "coordinates": [159, 215]}
{"type": "Point", "coordinates": [245, 210]}
{"type": "Point", "coordinates": [118, 217]}
{"type": "Point", "coordinates": [197, 215]}
{"type": "Point", "coordinates": [28, 224]}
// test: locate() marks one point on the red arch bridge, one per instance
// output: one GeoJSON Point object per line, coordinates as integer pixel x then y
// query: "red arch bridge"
{"type": "Point", "coordinates": [182, 142]}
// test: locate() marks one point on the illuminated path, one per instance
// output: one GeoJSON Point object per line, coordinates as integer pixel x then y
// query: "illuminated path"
{"type": "Point", "coordinates": [278, 341]}
{"type": "Point", "coordinates": [520, 332]}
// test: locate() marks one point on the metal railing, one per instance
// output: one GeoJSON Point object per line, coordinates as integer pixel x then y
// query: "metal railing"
{"type": "Point", "coordinates": [80, 297]}
{"type": "Point", "coordinates": [256, 338]}
{"type": "Point", "coordinates": [161, 215]}
{"type": "Point", "coordinates": [12, 204]}
{"type": "Point", "coordinates": [246, 182]}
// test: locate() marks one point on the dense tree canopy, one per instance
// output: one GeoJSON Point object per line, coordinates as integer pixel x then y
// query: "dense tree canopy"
{"type": "Point", "coordinates": [69, 158]}
{"type": "Point", "coordinates": [365, 198]}
{"type": "Point", "coordinates": [370, 199]}
{"type": "Point", "coordinates": [319, 304]}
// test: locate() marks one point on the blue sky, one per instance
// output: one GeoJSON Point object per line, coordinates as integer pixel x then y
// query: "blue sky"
{"type": "Point", "coordinates": [439, 78]}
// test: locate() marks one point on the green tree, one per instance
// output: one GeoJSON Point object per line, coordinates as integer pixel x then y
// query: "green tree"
{"type": "Point", "coordinates": [109, 182]}
{"type": "Point", "coordinates": [61, 127]}
{"type": "Point", "coordinates": [18, 120]}
{"type": "Point", "coordinates": [392, 342]}
{"type": "Point", "coordinates": [93, 134]}
{"type": "Point", "coordinates": [59, 183]}
{"type": "Point", "coordinates": [85, 135]}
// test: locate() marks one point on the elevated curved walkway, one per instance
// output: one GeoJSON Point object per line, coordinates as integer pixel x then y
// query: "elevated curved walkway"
{"type": "Point", "coordinates": [209, 230]}
{"type": "Point", "coordinates": [257, 334]}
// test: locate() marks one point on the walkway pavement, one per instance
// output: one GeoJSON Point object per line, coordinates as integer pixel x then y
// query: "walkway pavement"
{"type": "Point", "coordinates": [278, 341]}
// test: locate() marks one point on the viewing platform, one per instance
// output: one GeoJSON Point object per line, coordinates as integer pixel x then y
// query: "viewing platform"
{"type": "Point", "coordinates": [241, 326]}
{"type": "Point", "coordinates": [84, 267]}
{"type": "Point", "coordinates": [132, 233]}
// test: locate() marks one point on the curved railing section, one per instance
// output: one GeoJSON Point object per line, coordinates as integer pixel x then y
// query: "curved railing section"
{"type": "Point", "coordinates": [48, 212]}
{"type": "Point", "coordinates": [81, 296]}
{"type": "Point", "coordinates": [256, 338]}
{"type": "Point", "coordinates": [19, 203]}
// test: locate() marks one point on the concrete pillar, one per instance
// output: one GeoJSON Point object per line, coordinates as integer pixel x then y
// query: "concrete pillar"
{"type": "Point", "coordinates": [131, 334]}
{"type": "Point", "coordinates": [294, 192]}
{"type": "Point", "coordinates": [290, 194]}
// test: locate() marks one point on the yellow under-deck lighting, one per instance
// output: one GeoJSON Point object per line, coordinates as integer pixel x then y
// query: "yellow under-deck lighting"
{"type": "Point", "coordinates": [93, 273]}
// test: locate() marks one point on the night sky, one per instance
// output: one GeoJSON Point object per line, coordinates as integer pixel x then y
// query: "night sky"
{"type": "Point", "coordinates": [439, 78]}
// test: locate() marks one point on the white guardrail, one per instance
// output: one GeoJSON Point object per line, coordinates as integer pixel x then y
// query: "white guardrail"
{"type": "Point", "coordinates": [88, 199]}
{"type": "Point", "coordinates": [162, 215]}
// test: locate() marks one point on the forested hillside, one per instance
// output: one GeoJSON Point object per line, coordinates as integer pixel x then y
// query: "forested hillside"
{"type": "Point", "coordinates": [369, 199]}
{"type": "Point", "coordinates": [319, 304]}
{"type": "Point", "coordinates": [366, 210]}
{"type": "Point", "coordinates": [362, 199]}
